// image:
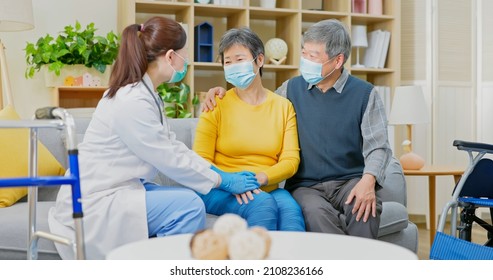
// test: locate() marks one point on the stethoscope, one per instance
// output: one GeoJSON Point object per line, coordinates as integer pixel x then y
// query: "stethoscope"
{"type": "Point", "coordinates": [161, 117]}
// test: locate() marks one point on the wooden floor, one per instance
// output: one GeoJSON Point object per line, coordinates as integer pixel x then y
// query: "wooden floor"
{"type": "Point", "coordinates": [478, 236]}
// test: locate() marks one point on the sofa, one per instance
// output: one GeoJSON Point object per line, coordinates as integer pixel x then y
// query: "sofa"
{"type": "Point", "coordinates": [395, 226]}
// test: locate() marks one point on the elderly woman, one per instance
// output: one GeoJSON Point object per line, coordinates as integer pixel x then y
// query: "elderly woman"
{"type": "Point", "coordinates": [251, 129]}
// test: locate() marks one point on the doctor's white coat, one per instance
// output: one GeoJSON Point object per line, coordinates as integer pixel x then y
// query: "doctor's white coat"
{"type": "Point", "coordinates": [124, 142]}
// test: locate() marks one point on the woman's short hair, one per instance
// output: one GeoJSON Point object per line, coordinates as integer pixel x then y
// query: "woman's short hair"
{"type": "Point", "coordinates": [243, 36]}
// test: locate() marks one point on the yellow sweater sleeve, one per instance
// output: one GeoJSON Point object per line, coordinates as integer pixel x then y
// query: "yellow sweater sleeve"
{"type": "Point", "coordinates": [206, 134]}
{"type": "Point", "coordinates": [289, 157]}
{"type": "Point", "coordinates": [237, 136]}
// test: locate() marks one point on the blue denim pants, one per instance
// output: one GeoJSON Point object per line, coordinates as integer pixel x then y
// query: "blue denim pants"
{"type": "Point", "coordinates": [173, 210]}
{"type": "Point", "coordinates": [276, 210]}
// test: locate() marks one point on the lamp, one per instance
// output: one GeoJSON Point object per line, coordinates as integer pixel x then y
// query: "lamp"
{"type": "Point", "coordinates": [409, 107]}
{"type": "Point", "coordinates": [359, 39]}
{"type": "Point", "coordinates": [15, 15]}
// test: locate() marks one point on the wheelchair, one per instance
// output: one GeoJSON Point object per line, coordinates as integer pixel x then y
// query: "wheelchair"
{"type": "Point", "coordinates": [474, 190]}
{"type": "Point", "coordinates": [56, 118]}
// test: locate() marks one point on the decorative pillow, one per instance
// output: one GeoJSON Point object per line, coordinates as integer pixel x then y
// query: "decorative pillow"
{"type": "Point", "coordinates": [14, 157]}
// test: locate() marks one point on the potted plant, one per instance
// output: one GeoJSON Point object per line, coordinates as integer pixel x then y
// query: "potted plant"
{"type": "Point", "coordinates": [176, 100]}
{"type": "Point", "coordinates": [73, 46]}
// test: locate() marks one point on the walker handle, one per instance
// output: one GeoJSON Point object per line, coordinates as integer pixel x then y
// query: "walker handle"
{"type": "Point", "coordinates": [45, 113]}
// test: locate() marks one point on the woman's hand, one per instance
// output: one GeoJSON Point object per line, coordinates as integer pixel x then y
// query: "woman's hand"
{"type": "Point", "coordinates": [244, 197]}
{"type": "Point", "coordinates": [262, 178]}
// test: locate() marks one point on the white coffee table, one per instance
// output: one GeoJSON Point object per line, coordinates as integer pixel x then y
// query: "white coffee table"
{"type": "Point", "coordinates": [285, 245]}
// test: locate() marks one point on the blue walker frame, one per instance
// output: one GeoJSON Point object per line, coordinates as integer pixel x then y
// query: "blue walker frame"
{"type": "Point", "coordinates": [64, 121]}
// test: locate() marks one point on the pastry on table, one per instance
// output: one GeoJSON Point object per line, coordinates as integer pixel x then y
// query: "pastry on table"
{"type": "Point", "coordinates": [262, 232]}
{"type": "Point", "coordinates": [246, 245]}
{"type": "Point", "coordinates": [229, 224]}
{"type": "Point", "coordinates": [207, 245]}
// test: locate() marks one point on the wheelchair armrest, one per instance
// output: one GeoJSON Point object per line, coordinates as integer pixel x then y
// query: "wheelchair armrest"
{"type": "Point", "coordinates": [473, 146]}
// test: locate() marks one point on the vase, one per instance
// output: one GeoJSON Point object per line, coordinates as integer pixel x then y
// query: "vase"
{"type": "Point", "coordinates": [375, 7]}
{"type": "Point", "coordinates": [77, 75]}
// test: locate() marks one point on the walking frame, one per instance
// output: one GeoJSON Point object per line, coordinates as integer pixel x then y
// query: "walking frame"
{"type": "Point", "coordinates": [56, 118]}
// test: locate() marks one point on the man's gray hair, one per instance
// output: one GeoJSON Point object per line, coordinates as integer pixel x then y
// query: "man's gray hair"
{"type": "Point", "coordinates": [333, 34]}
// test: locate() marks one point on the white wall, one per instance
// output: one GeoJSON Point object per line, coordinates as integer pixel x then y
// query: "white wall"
{"type": "Point", "coordinates": [50, 16]}
{"type": "Point", "coordinates": [447, 48]}
{"type": "Point", "coordinates": [485, 89]}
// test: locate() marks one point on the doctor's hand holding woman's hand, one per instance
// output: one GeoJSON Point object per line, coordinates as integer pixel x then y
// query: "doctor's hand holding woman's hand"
{"type": "Point", "coordinates": [237, 182]}
{"type": "Point", "coordinates": [244, 197]}
{"type": "Point", "coordinates": [210, 98]}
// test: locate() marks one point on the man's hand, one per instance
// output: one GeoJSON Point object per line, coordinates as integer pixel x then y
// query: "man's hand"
{"type": "Point", "coordinates": [210, 98]}
{"type": "Point", "coordinates": [366, 200]}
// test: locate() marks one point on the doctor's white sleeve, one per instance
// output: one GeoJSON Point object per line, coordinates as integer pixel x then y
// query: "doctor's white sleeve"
{"type": "Point", "coordinates": [137, 123]}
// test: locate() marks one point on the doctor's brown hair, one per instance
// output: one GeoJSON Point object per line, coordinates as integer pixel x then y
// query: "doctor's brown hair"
{"type": "Point", "coordinates": [142, 44]}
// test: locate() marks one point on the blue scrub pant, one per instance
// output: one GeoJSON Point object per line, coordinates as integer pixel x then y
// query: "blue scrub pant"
{"type": "Point", "coordinates": [276, 210]}
{"type": "Point", "coordinates": [173, 210]}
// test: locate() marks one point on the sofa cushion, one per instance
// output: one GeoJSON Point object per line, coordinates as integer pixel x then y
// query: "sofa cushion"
{"type": "Point", "coordinates": [394, 218]}
{"type": "Point", "coordinates": [15, 219]}
{"type": "Point", "coordinates": [14, 158]}
{"type": "Point", "coordinates": [54, 140]}
{"type": "Point", "coordinates": [394, 185]}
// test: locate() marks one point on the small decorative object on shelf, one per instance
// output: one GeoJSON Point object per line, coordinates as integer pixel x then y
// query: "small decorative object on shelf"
{"type": "Point", "coordinates": [276, 50]}
{"type": "Point", "coordinates": [375, 7]}
{"type": "Point", "coordinates": [203, 42]}
{"type": "Point", "coordinates": [203, 1]}
{"type": "Point", "coordinates": [77, 76]}
{"type": "Point", "coordinates": [228, 2]}
{"type": "Point", "coordinates": [358, 6]}
{"type": "Point", "coordinates": [268, 4]}
{"type": "Point", "coordinates": [359, 40]}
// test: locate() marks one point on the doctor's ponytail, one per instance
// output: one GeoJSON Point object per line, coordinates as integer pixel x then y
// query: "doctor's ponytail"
{"type": "Point", "coordinates": [142, 44]}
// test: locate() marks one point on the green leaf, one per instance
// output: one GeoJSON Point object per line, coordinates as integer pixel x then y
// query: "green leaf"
{"type": "Point", "coordinates": [184, 114]}
{"type": "Point", "coordinates": [74, 45]}
{"type": "Point", "coordinates": [170, 112]}
{"type": "Point", "coordinates": [56, 67]}
{"type": "Point", "coordinates": [195, 99]}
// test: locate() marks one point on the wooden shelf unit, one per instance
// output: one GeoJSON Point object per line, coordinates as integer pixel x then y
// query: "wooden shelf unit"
{"type": "Point", "coordinates": [77, 97]}
{"type": "Point", "coordinates": [287, 21]}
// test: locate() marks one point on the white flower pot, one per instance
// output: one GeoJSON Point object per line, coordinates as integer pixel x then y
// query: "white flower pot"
{"type": "Point", "coordinates": [77, 75]}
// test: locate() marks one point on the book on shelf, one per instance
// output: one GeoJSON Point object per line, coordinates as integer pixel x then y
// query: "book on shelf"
{"type": "Point", "coordinates": [358, 6]}
{"type": "Point", "coordinates": [385, 49]}
{"type": "Point", "coordinates": [378, 47]}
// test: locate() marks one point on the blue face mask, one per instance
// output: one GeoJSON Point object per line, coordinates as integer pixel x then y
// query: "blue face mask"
{"type": "Point", "coordinates": [312, 71]}
{"type": "Point", "coordinates": [178, 75]}
{"type": "Point", "coordinates": [240, 74]}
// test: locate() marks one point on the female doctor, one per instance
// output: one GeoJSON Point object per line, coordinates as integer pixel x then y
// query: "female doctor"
{"type": "Point", "coordinates": [128, 141]}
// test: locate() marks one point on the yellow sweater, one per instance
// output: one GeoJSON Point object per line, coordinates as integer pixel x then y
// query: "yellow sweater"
{"type": "Point", "coordinates": [238, 136]}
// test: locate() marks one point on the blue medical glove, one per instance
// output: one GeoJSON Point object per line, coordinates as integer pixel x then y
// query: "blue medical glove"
{"type": "Point", "coordinates": [237, 182]}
